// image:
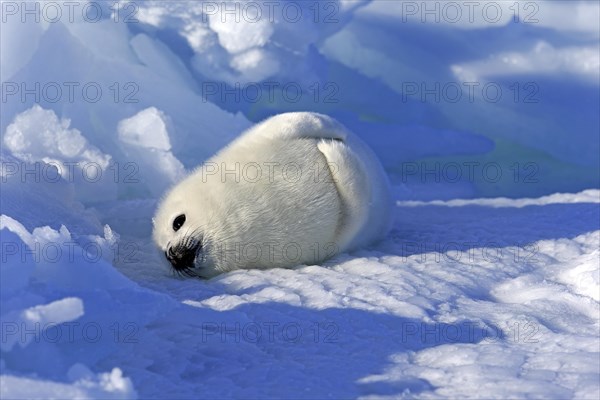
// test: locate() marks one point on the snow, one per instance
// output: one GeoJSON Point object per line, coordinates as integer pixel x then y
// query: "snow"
{"type": "Point", "coordinates": [488, 285]}
{"type": "Point", "coordinates": [582, 61]}
{"type": "Point", "coordinates": [587, 196]}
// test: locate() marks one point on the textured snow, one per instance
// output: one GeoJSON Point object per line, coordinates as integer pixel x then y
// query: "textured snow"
{"type": "Point", "coordinates": [57, 312]}
{"type": "Point", "coordinates": [38, 135]}
{"type": "Point", "coordinates": [587, 196]}
{"type": "Point", "coordinates": [484, 288]}
{"type": "Point", "coordinates": [106, 386]}
{"type": "Point", "coordinates": [490, 306]}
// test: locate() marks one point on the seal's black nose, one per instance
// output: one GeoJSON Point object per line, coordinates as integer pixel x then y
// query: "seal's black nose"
{"type": "Point", "coordinates": [181, 258]}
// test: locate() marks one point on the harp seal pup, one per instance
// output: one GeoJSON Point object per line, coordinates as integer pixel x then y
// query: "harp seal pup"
{"type": "Point", "coordinates": [295, 189]}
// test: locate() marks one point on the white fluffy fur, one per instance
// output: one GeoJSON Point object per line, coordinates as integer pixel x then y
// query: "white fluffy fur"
{"type": "Point", "coordinates": [340, 201]}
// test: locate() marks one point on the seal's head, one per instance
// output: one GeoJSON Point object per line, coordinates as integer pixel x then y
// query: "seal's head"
{"type": "Point", "coordinates": [198, 220]}
{"type": "Point", "coordinates": [179, 230]}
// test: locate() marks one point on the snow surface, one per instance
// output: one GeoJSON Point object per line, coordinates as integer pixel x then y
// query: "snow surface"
{"type": "Point", "coordinates": [488, 285]}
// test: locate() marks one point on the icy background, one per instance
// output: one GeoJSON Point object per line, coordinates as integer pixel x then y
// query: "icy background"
{"type": "Point", "coordinates": [487, 287]}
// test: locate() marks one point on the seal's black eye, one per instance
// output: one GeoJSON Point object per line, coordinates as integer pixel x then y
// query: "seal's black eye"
{"type": "Point", "coordinates": [178, 222]}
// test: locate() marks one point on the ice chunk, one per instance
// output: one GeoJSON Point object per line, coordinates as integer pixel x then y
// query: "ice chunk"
{"type": "Point", "coordinates": [145, 139]}
{"type": "Point", "coordinates": [16, 227]}
{"type": "Point", "coordinates": [16, 267]}
{"type": "Point", "coordinates": [582, 62]}
{"type": "Point", "coordinates": [57, 312]}
{"type": "Point", "coordinates": [147, 129]}
{"type": "Point", "coordinates": [15, 51]}
{"type": "Point", "coordinates": [255, 64]}
{"type": "Point", "coordinates": [39, 318]}
{"type": "Point", "coordinates": [246, 33]}
{"type": "Point", "coordinates": [39, 135]}
{"type": "Point", "coordinates": [583, 15]}
{"type": "Point", "coordinates": [161, 60]}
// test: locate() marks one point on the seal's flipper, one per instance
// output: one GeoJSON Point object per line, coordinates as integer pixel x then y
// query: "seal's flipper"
{"type": "Point", "coordinates": [353, 187]}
